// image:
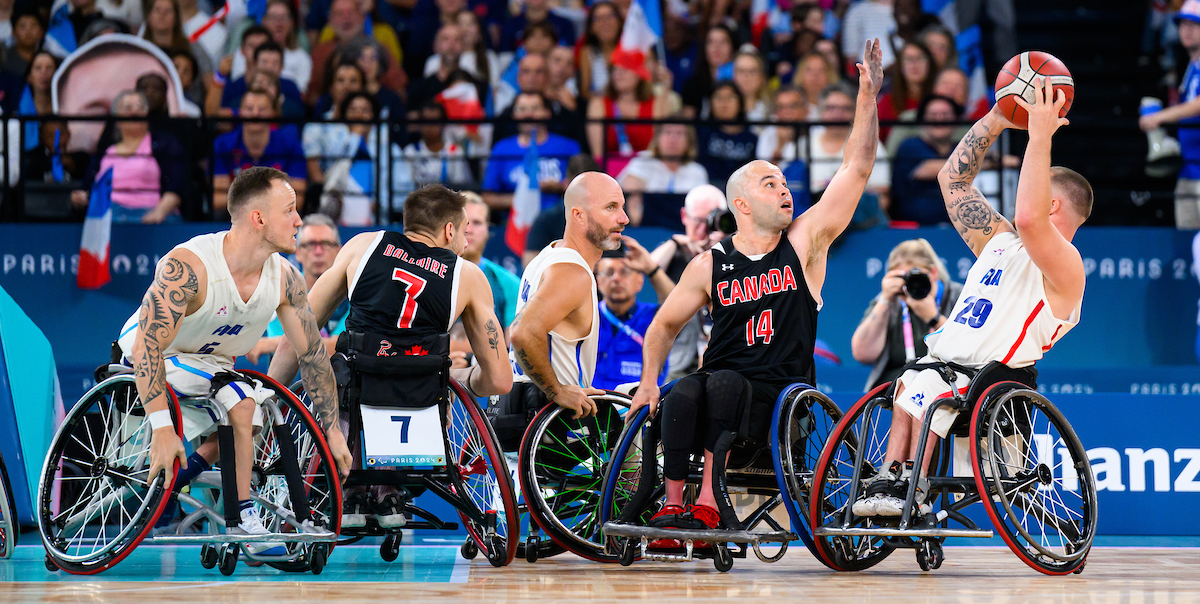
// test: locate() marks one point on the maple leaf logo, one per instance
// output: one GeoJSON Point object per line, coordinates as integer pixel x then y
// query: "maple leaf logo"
{"type": "Point", "coordinates": [415, 351]}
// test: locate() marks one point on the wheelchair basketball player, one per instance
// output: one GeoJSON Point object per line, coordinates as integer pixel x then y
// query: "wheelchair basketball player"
{"type": "Point", "coordinates": [1024, 292]}
{"type": "Point", "coordinates": [211, 298]}
{"type": "Point", "coordinates": [406, 290]}
{"type": "Point", "coordinates": [764, 287]}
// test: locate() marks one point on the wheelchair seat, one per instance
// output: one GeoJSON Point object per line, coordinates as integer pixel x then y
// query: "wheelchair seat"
{"type": "Point", "coordinates": [993, 373]}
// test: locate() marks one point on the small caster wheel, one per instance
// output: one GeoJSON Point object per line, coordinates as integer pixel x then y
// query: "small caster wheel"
{"type": "Point", "coordinates": [531, 549]}
{"type": "Point", "coordinates": [723, 559]}
{"type": "Point", "coordinates": [390, 548]}
{"type": "Point", "coordinates": [497, 551]}
{"type": "Point", "coordinates": [317, 559]}
{"type": "Point", "coordinates": [50, 565]}
{"type": "Point", "coordinates": [628, 550]}
{"type": "Point", "coordinates": [1079, 571]}
{"type": "Point", "coordinates": [469, 550]}
{"type": "Point", "coordinates": [228, 560]}
{"type": "Point", "coordinates": [930, 555]}
{"type": "Point", "coordinates": [208, 556]}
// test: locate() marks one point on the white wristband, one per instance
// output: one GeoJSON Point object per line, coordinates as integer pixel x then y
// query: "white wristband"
{"type": "Point", "coordinates": [161, 419]}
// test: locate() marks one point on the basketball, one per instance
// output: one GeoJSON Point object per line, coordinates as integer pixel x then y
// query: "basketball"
{"type": "Point", "coordinates": [1017, 78]}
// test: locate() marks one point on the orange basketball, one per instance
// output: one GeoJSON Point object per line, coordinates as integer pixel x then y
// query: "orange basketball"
{"type": "Point", "coordinates": [1017, 78]}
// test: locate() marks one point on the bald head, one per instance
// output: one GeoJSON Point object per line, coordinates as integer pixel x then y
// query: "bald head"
{"type": "Point", "coordinates": [739, 182]}
{"type": "Point", "coordinates": [595, 210]}
{"type": "Point", "coordinates": [759, 198]}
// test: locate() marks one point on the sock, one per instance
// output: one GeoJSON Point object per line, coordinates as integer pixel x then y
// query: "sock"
{"type": "Point", "coordinates": [247, 507]}
{"type": "Point", "coordinates": [195, 465]}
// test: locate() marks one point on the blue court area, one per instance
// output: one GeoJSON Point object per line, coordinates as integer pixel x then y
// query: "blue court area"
{"type": "Point", "coordinates": [426, 563]}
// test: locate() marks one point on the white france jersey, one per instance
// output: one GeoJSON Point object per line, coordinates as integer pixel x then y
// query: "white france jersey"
{"type": "Point", "coordinates": [225, 326]}
{"type": "Point", "coordinates": [1002, 313]}
{"type": "Point", "coordinates": [573, 361]}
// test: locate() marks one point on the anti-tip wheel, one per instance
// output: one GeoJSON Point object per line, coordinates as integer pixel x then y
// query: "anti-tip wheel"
{"type": "Point", "coordinates": [723, 559]}
{"type": "Point", "coordinates": [229, 560]}
{"type": "Point", "coordinates": [628, 551]}
{"type": "Point", "coordinates": [469, 550]}
{"type": "Point", "coordinates": [389, 550]}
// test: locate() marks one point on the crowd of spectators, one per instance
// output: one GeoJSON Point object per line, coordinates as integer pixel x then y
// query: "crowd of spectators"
{"type": "Point", "coordinates": [361, 101]}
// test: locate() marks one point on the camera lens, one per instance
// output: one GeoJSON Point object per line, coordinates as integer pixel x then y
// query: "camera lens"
{"type": "Point", "coordinates": [917, 284]}
{"type": "Point", "coordinates": [721, 220]}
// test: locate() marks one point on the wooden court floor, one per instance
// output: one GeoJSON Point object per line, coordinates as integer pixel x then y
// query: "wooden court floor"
{"type": "Point", "coordinates": [970, 574]}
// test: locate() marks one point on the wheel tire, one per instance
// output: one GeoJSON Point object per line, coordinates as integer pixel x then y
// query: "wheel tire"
{"type": "Point", "coordinates": [474, 445]}
{"type": "Point", "coordinates": [923, 558]}
{"type": "Point", "coordinates": [997, 423]}
{"type": "Point", "coordinates": [531, 550]}
{"type": "Point", "coordinates": [229, 561]}
{"type": "Point", "coordinates": [10, 527]}
{"type": "Point", "coordinates": [50, 565]}
{"type": "Point", "coordinates": [628, 552]}
{"type": "Point", "coordinates": [551, 461]}
{"type": "Point", "coordinates": [318, 558]}
{"type": "Point", "coordinates": [836, 462]}
{"type": "Point", "coordinates": [722, 558]}
{"type": "Point", "coordinates": [793, 466]}
{"type": "Point", "coordinates": [112, 400]}
{"type": "Point", "coordinates": [937, 556]}
{"type": "Point", "coordinates": [208, 556]}
{"type": "Point", "coordinates": [496, 551]}
{"type": "Point", "coordinates": [469, 550]}
{"type": "Point", "coordinates": [389, 550]}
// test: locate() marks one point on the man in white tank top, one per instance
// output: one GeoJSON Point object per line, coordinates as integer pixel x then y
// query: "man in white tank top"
{"type": "Point", "coordinates": [210, 300]}
{"type": "Point", "coordinates": [556, 330]}
{"type": "Point", "coordinates": [1023, 293]}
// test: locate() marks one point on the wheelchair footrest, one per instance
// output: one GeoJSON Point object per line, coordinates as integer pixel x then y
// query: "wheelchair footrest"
{"type": "Point", "coordinates": [305, 537]}
{"type": "Point", "coordinates": [620, 529]}
{"type": "Point", "coordinates": [885, 531]}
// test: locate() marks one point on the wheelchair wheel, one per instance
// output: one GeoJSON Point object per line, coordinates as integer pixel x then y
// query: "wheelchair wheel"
{"type": "Point", "coordinates": [562, 462]}
{"type": "Point", "coordinates": [482, 479]}
{"type": "Point", "coordinates": [96, 501]}
{"type": "Point", "coordinates": [799, 430]}
{"type": "Point", "coordinates": [632, 494]}
{"type": "Point", "coordinates": [10, 527]}
{"type": "Point", "coordinates": [316, 468]}
{"type": "Point", "coordinates": [1034, 478]}
{"type": "Point", "coordinates": [865, 425]}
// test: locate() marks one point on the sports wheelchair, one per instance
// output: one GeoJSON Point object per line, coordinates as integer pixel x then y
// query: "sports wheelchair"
{"type": "Point", "coordinates": [10, 527]}
{"type": "Point", "coordinates": [420, 431]}
{"type": "Point", "coordinates": [1044, 509]}
{"type": "Point", "coordinates": [97, 502]}
{"type": "Point", "coordinates": [561, 463]}
{"type": "Point", "coordinates": [633, 486]}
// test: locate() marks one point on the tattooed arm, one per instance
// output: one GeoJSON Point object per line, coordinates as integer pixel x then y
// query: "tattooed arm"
{"type": "Point", "coordinates": [300, 326]}
{"type": "Point", "coordinates": [176, 289]}
{"type": "Point", "coordinates": [969, 211]}
{"type": "Point", "coordinates": [494, 374]}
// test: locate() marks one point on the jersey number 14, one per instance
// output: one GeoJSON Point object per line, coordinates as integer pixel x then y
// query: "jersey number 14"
{"type": "Point", "coordinates": [763, 330]}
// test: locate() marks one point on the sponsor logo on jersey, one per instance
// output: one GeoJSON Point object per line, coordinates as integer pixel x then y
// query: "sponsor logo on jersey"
{"type": "Point", "coordinates": [749, 289]}
{"type": "Point", "coordinates": [726, 267]}
{"type": "Point", "coordinates": [223, 311]}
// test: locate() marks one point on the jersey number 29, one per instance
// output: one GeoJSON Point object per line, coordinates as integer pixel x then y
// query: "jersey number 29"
{"type": "Point", "coordinates": [413, 286]}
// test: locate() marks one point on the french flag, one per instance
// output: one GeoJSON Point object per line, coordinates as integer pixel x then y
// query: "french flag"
{"type": "Point", "coordinates": [763, 14]}
{"type": "Point", "coordinates": [97, 232]}
{"type": "Point", "coordinates": [232, 12]}
{"type": "Point", "coordinates": [643, 27]}
{"type": "Point", "coordinates": [462, 103]}
{"type": "Point", "coordinates": [527, 202]}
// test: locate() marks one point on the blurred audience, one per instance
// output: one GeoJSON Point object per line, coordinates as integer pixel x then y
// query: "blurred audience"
{"type": "Point", "coordinates": [256, 143]}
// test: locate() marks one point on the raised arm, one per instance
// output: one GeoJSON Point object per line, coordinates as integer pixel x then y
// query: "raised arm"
{"type": "Point", "coordinates": [692, 294]}
{"type": "Point", "coordinates": [493, 375]}
{"type": "Point", "coordinates": [969, 211]}
{"type": "Point", "coordinates": [1059, 261]}
{"type": "Point", "coordinates": [821, 224]}
{"type": "Point", "coordinates": [176, 285]}
{"type": "Point", "coordinates": [565, 289]}
{"type": "Point", "coordinates": [299, 325]}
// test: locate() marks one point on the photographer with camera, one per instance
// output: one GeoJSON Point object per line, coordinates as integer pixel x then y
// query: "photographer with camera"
{"type": "Point", "coordinates": [705, 212]}
{"type": "Point", "coordinates": [915, 297]}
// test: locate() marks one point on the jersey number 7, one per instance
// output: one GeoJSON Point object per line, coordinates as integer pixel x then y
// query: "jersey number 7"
{"type": "Point", "coordinates": [413, 286]}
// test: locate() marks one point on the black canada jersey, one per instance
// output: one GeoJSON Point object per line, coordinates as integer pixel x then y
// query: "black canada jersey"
{"type": "Point", "coordinates": [403, 288]}
{"type": "Point", "coordinates": [764, 317]}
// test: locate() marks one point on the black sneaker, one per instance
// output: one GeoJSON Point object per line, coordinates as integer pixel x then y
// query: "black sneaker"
{"type": "Point", "coordinates": [388, 512]}
{"type": "Point", "coordinates": [354, 511]}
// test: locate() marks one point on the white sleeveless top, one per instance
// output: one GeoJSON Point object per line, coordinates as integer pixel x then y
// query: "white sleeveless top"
{"type": "Point", "coordinates": [225, 326]}
{"type": "Point", "coordinates": [573, 361]}
{"type": "Point", "coordinates": [1002, 313]}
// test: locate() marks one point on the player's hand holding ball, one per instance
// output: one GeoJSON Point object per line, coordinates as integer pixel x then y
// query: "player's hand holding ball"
{"type": "Point", "coordinates": [1045, 112]}
{"type": "Point", "coordinates": [1021, 79]}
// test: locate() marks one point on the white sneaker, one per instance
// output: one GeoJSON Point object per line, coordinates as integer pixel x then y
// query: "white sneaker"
{"type": "Point", "coordinates": [252, 525]}
{"type": "Point", "coordinates": [354, 511]}
{"type": "Point", "coordinates": [865, 507]}
{"type": "Point", "coordinates": [888, 505]}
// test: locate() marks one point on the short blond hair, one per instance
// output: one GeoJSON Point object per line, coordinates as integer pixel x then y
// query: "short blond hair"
{"type": "Point", "coordinates": [918, 252]}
